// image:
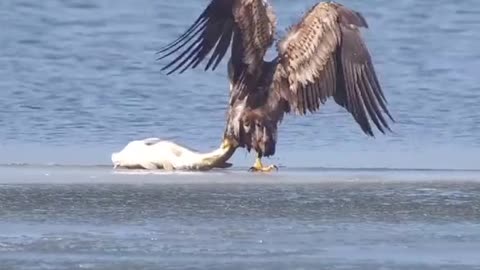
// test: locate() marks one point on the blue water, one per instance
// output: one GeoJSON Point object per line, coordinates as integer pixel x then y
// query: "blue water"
{"type": "Point", "coordinates": [58, 217]}
{"type": "Point", "coordinates": [81, 77]}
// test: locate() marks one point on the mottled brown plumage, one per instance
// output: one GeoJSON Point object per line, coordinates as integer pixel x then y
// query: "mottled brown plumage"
{"type": "Point", "coordinates": [322, 56]}
{"type": "Point", "coordinates": [247, 26]}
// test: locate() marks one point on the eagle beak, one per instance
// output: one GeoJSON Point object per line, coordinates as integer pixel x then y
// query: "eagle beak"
{"type": "Point", "coordinates": [228, 143]}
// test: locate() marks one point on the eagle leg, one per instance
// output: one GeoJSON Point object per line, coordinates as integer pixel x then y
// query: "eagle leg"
{"type": "Point", "coordinates": [259, 167]}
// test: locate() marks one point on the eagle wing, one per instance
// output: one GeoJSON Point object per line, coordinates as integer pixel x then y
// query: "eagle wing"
{"type": "Point", "coordinates": [250, 24]}
{"type": "Point", "coordinates": [324, 56]}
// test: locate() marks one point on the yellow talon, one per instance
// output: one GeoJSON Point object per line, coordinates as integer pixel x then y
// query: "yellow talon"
{"type": "Point", "coordinates": [259, 167]}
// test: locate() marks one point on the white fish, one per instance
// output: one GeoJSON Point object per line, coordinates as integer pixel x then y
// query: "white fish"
{"type": "Point", "coordinates": [155, 153]}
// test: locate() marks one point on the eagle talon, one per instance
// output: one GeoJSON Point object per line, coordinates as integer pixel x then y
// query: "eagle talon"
{"type": "Point", "coordinates": [263, 169]}
{"type": "Point", "coordinates": [258, 167]}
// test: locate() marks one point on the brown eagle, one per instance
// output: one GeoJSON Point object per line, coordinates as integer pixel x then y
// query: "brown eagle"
{"type": "Point", "coordinates": [322, 56]}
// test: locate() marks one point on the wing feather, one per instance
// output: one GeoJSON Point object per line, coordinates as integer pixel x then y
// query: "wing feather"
{"type": "Point", "coordinates": [257, 23]}
{"type": "Point", "coordinates": [310, 97]}
{"type": "Point", "coordinates": [372, 108]}
{"type": "Point", "coordinates": [181, 42]}
{"type": "Point", "coordinates": [221, 48]}
{"type": "Point", "coordinates": [204, 41]}
{"type": "Point", "coordinates": [199, 23]}
{"type": "Point", "coordinates": [324, 56]}
{"type": "Point", "coordinates": [315, 94]}
{"type": "Point", "coordinates": [208, 33]}
{"type": "Point", "coordinates": [249, 22]}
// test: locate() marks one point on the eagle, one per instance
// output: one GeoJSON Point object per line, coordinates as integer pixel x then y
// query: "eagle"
{"type": "Point", "coordinates": [323, 56]}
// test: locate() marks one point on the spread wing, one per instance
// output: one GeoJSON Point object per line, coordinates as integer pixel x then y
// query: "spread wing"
{"type": "Point", "coordinates": [250, 24]}
{"type": "Point", "coordinates": [324, 56]}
